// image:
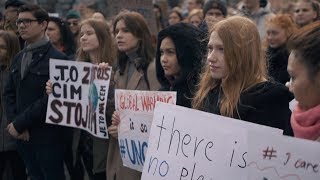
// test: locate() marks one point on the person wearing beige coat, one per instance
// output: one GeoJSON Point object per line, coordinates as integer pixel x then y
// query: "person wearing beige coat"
{"type": "Point", "coordinates": [135, 71]}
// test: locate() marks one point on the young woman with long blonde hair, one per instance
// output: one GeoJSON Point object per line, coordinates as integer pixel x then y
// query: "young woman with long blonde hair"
{"type": "Point", "coordinates": [234, 82]}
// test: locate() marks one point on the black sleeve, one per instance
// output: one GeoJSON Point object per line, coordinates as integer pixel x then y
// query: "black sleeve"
{"type": "Point", "coordinates": [272, 115]}
{"type": "Point", "coordinates": [34, 114]}
{"type": "Point", "coordinates": [9, 97]}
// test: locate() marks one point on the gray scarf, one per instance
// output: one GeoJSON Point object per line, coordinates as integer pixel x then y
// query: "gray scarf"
{"type": "Point", "coordinates": [28, 52]}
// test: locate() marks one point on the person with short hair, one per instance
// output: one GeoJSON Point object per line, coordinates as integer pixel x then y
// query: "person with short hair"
{"type": "Point", "coordinates": [215, 8]}
{"type": "Point", "coordinates": [10, 17]}
{"type": "Point", "coordinates": [40, 145]}
{"type": "Point", "coordinates": [306, 12]}
{"type": "Point", "coordinates": [194, 4]}
{"type": "Point", "coordinates": [252, 10]}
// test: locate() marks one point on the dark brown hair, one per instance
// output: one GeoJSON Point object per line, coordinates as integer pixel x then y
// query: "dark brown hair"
{"type": "Point", "coordinates": [305, 44]}
{"type": "Point", "coordinates": [136, 24]}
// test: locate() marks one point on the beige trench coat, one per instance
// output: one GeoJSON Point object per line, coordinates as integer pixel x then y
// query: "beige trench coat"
{"type": "Point", "coordinates": [115, 168]}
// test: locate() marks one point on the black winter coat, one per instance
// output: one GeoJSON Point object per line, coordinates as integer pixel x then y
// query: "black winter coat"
{"type": "Point", "coordinates": [26, 100]}
{"type": "Point", "coordinates": [277, 64]}
{"type": "Point", "coordinates": [266, 104]}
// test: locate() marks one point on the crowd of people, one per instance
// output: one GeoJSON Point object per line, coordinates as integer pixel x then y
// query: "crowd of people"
{"type": "Point", "coordinates": [246, 62]}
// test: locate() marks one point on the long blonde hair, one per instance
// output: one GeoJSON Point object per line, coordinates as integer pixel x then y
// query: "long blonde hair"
{"type": "Point", "coordinates": [106, 46]}
{"type": "Point", "coordinates": [244, 59]}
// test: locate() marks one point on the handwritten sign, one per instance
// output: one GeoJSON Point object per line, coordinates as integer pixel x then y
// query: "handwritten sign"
{"type": "Point", "coordinates": [142, 101]}
{"type": "Point", "coordinates": [136, 114]}
{"type": "Point", "coordinates": [133, 138]}
{"type": "Point", "coordinates": [144, 7]}
{"type": "Point", "coordinates": [285, 158]}
{"type": "Point", "coordinates": [190, 144]}
{"type": "Point", "coordinates": [79, 96]}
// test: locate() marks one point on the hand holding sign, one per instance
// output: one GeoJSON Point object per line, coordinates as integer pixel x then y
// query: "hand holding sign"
{"type": "Point", "coordinates": [135, 109]}
{"type": "Point", "coordinates": [115, 118]}
{"type": "Point", "coordinates": [223, 148]}
{"type": "Point", "coordinates": [78, 95]}
{"type": "Point", "coordinates": [48, 87]}
{"type": "Point", "coordinates": [103, 65]}
{"type": "Point", "coordinates": [113, 129]}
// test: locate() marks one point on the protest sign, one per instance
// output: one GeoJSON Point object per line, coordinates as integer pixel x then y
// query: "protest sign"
{"type": "Point", "coordinates": [79, 96]}
{"type": "Point", "coordinates": [144, 7]}
{"type": "Point", "coordinates": [190, 144]}
{"type": "Point", "coordinates": [136, 114]}
{"type": "Point", "coordinates": [133, 138]}
{"type": "Point", "coordinates": [285, 158]}
{"type": "Point", "coordinates": [142, 101]}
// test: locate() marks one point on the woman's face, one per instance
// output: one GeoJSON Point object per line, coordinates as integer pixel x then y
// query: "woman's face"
{"type": "Point", "coordinates": [3, 49]}
{"type": "Point", "coordinates": [168, 57]}
{"type": "Point", "coordinates": [88, 39]}
{"type": "Point", "coordinates": [174, 18]}
{"type": "Point", "coordinates": [53, 33]}
{"type": "Point", "coordinates": [304, 13]}
{"type": "Point", "coordinates": [276, 36]}
{"type": "Point", "coordinates": [215, 59]}
{"type": "Point", "coordinates": [304, 89]}
{"type": "Point", "coordinates": [195, 20]}
{"type": "Point", "coordinates": [126, 41]}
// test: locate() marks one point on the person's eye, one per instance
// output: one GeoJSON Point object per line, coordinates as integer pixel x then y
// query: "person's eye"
{"type": "Point", "coordinates": [171, 52]}
{"type": "Point", "coordinates": [292, 78]}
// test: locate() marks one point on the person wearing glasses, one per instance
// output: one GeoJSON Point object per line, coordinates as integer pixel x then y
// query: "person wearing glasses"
{"type": "Point", "coordinates": [40, 145]}
{"type": "Point", "coordinates": [73, 19]}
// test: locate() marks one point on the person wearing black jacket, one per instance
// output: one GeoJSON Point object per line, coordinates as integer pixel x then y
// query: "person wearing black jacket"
{"type": "Point", "coordinates": [40, 145]}
{"type": "Point", "coordinates": [178, 60]}
{"type": "Point", "coordinates": [235, 82]}
{"type": "Point", "coordinates": [279, 29]}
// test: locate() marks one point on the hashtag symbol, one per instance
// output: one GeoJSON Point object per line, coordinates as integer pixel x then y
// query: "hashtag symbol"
{"type": "Point", "coordinates": [269, 153]}
{"type": "Point", "coordinates": [122, 149]}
